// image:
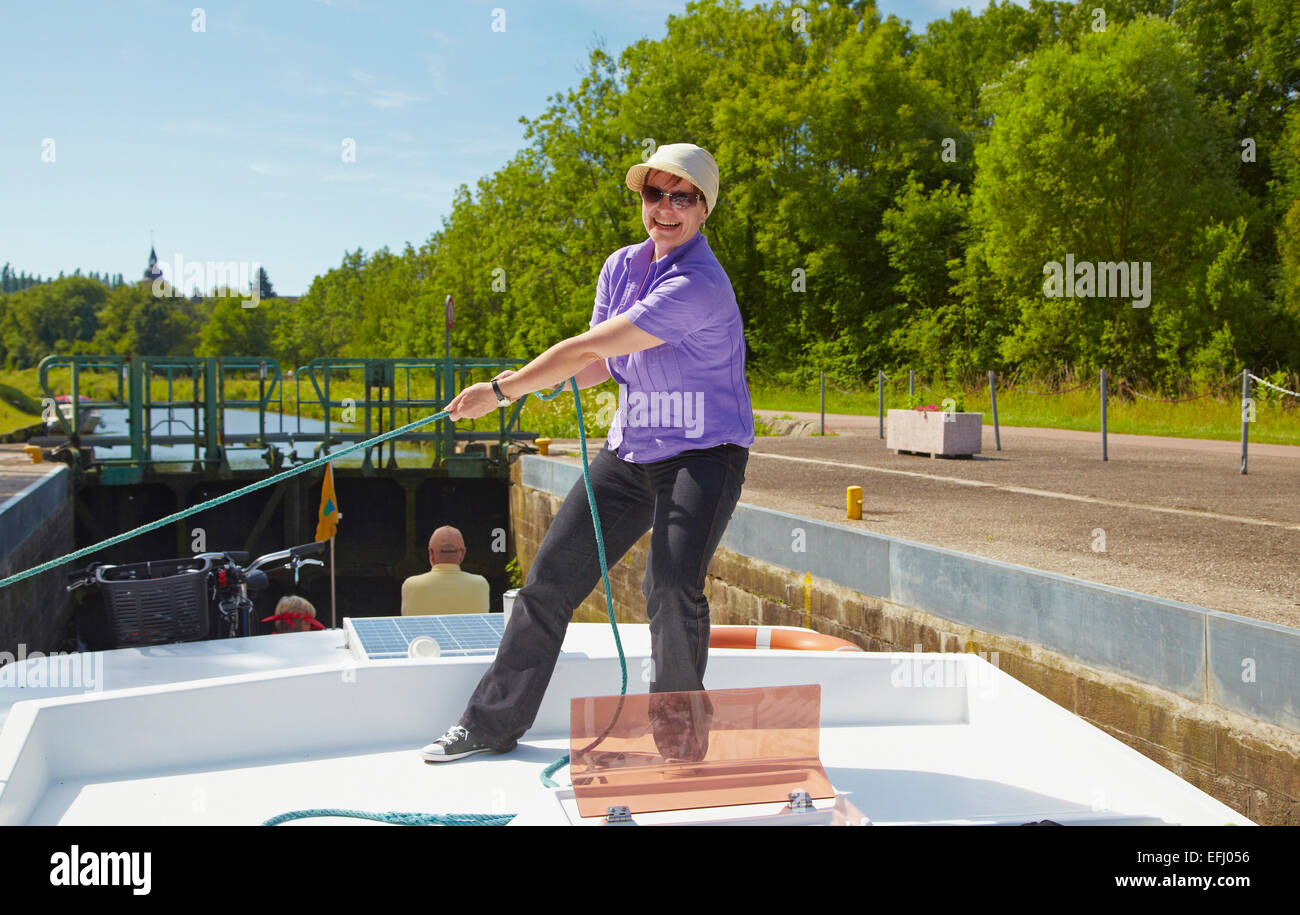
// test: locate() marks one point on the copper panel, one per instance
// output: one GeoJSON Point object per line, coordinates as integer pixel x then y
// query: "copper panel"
{"type": "Point", "coordinates": [709, 748]}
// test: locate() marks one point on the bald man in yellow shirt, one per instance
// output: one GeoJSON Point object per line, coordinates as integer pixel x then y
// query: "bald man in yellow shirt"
{"type": "Point", "coordinates": [445, 588]}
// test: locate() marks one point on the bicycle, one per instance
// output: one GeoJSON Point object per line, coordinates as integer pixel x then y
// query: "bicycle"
{"type": "Point", "coordinates": [193, 598]}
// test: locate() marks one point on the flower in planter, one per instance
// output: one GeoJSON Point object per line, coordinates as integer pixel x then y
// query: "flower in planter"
{"type": "Point", "coordinates": [917, 402]}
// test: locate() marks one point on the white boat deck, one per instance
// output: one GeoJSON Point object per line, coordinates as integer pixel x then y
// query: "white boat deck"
{"type": "Point", "coordinates": [235, 732]}
{"type": "Point", "coordinates": [125, 668]}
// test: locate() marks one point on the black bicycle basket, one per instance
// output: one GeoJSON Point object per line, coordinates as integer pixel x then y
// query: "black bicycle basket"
{"type": "Point", "coordinates": [153, 603]}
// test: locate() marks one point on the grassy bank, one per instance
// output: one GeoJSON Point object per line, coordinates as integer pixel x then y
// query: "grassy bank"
{"type": "Point", "coordinates": [1277, 416]}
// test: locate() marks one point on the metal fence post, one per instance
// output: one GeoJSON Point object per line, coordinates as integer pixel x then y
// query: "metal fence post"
{"type": "Point", "coordinates": [1103, 415]}
{"type": "Point", "coordinates": [823, 403]}
{"type": "Point", "coordinates": [1245, 415]}
{"type": "Point", "coordinates": [993, 399]}
{"type": "Point", "coordinates": [880, 399]}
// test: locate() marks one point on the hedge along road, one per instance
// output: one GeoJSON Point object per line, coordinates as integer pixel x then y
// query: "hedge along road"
{"type": "Point", "coordinates": [1169, 517]}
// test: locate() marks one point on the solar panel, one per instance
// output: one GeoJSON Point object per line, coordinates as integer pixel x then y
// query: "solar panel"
{"type": "Point", "coordinates": [458, 635]}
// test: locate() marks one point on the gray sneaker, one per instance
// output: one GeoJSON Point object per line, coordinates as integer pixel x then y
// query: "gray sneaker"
{"type": "Point", "coordinates": [457, 743]}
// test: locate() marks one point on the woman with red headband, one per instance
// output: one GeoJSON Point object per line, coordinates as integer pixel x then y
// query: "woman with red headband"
{"type": "Point", "coordinates": [294, 614]}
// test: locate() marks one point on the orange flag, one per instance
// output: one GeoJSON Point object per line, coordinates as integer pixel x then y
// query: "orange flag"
{"type": "Point", "coordinates": [327, 522]}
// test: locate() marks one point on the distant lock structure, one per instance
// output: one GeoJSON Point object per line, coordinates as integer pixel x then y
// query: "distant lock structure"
{"type": "Point", "coordinates": [161, 434]}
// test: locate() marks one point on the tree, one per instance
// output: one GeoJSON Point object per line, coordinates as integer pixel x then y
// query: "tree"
{"type": "Point", "coordinates": [233, 330]}
{"type": "Point", "coordinates": [1104, 154]}
{"type": "Point", "coordinates": [266, 290]}
{"type": "Point", "coordinates": [939, 330]}
{"type": "Point", "coordinates": [134, 322]}
{"type": "Point", "coordinates": [325, 321]}
{"type": "Point", "coordinates": [1247, 55]}
{"type": "Point", "coordinates": [49, 318]}
{"type": "Point", "coordinates": [965, 51]}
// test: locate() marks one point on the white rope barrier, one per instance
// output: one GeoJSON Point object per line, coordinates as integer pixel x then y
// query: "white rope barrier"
{"type": "Point", "coordinates": [1273, 386]}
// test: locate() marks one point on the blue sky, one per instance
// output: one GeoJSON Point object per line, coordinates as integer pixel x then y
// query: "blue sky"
{"type": "Point", "coordinates": [227, 143]}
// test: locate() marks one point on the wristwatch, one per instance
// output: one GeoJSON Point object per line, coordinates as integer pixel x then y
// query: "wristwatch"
{"type": "Point", "coordinates": [501, 398]}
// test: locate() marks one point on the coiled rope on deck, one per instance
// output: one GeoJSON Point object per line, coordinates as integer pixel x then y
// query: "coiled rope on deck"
{"type": "Point", "coordinates": [398, 819]}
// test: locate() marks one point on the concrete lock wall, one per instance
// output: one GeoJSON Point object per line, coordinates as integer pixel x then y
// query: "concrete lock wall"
{"type": "Point", "coordinates": [36, 525]}
{"type": "Point", "coordinates": [1211, 696]}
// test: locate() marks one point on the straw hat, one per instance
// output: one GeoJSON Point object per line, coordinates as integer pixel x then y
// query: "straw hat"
{"type": "Point", "coordinates": [685, 160]}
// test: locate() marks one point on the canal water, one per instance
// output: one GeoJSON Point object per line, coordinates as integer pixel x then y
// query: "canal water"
{"type": "Point", "coordinates": [244, 422]}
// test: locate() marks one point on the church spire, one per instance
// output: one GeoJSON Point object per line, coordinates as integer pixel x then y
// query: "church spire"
{"type": "Point", "coordinates": [153, 271]}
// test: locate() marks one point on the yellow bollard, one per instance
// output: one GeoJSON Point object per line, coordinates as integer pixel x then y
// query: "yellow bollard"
{"type": "Point", "coordinates": [34, 453]}
{"type": "Point", "coordinates": [854, 499]}
{"type": "Point", "coordinates": [543, 446]}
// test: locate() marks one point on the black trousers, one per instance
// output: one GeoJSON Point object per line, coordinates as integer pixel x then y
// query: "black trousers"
{"type": "Point", "coordinates": [686, 502]}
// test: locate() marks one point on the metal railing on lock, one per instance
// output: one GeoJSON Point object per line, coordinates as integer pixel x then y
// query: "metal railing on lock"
{"type": "Point", "coordinates": [352, 397]}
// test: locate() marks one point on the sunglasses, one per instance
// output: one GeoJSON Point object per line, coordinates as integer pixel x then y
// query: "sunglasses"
{"type": "Point", "coordinates": [681, 200]}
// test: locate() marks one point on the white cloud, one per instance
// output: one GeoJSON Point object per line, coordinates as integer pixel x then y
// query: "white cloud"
{"type": "Point", "coordinates": [643, 13]}
{"type": "Point", "coordinates": [294, 82]}
{"type": "Point", "coordinates": [437, 73]}
{"type": "Point", "coordinates": [206, 128]}
{"type": "Point", "coordinates": [317, 146]}
{"type": "Point", "coordinates": [430, 191]}
{"type": "Point", "coordinates": [348, 177]}
{"type": "Point", "coordinates": [488, 146]}
{"type": "Point", "coordinates": [375, 97]}
{"type": "Point", "coordinates": [389, 99]}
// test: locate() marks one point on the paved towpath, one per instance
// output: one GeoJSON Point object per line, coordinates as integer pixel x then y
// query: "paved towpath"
{"type": "Point", "coordinates": [1165, 516]}
{"type": "Point", "coordinates": [17, 472]}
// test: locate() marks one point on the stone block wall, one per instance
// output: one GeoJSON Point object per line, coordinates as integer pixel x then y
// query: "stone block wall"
{"type": "Point", "coordinates": [36, 526]}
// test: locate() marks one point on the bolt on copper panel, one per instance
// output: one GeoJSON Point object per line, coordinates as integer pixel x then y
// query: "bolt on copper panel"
{"type": "Point", "coordinates": [709, 748]}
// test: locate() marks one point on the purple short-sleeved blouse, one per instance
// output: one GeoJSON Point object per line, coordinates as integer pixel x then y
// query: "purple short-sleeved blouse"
{"type": "Point", "coordinates": [690, 392]}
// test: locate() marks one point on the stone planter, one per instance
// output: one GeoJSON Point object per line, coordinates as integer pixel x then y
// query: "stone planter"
{"type": "Point", "coordinates": [934, 433]}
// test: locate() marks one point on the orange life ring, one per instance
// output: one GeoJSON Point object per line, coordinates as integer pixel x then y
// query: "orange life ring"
{"type": "Point", "coordinates": [773, 637]}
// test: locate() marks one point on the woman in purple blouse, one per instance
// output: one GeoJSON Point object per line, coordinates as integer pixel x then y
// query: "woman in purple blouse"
{"type": "Point", "coordinates": [665, 327]}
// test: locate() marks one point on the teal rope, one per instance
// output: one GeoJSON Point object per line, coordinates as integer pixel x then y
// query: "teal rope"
{"type": "Point", "coordinates": [604, 569]}
{"type": "Point", "coordinates": [219, 500]}
{"type": "Point", "coordinates": [552, 769]}
{"type": "Point", "coordinates": [398, 819]}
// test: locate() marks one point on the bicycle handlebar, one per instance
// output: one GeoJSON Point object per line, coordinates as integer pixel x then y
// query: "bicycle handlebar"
{"type": "Point", "coordinates": [294, 553]}
{"type": "Point", "coordinates": [228, 580]}
{"type": "Point", "coordinates": [239, 558]}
